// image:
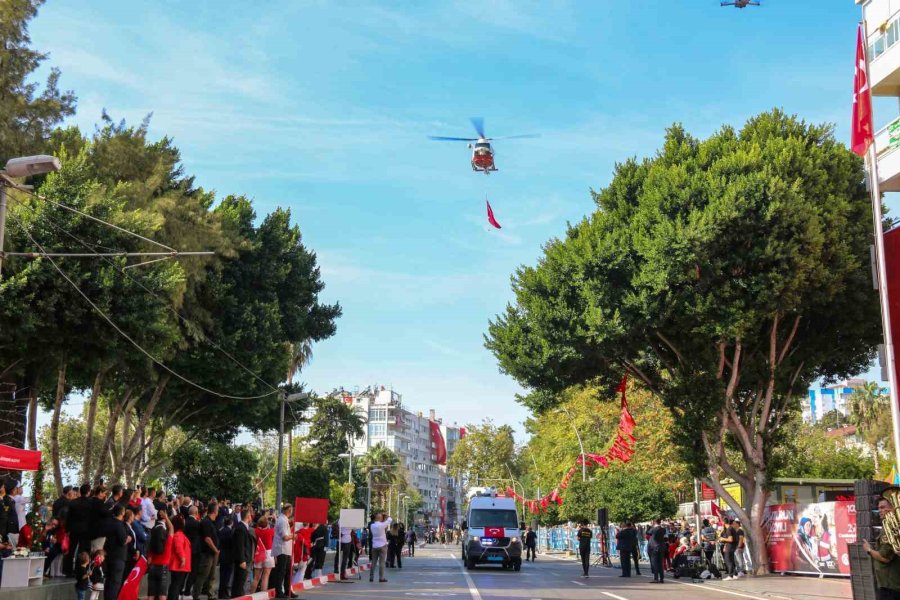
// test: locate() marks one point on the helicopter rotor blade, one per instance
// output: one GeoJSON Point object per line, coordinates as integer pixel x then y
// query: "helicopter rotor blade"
{"type": "Point", "coordinates": [478, 124]}
{"type": "Point", "coordinates": [441, 138]}
{"type": "Point", "coordinates": [513, 137]}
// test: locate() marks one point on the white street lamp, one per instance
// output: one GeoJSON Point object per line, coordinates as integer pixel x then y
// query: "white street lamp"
{"type": "Point", "coordinates": [578, 435]}
{"type": "Point", "coordinates": [21, 167]}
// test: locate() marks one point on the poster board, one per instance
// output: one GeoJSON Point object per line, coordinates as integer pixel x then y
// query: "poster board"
{"type": "Point", "coordinates": [354, 518]}
{"type": "Point", "coordinates": [810, 538]}
{"type": "Point", "coordinates": [310, 510]}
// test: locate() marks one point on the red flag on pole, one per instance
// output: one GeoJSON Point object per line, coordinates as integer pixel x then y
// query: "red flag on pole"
{"type": "Point", "coordinates": [861, 129]}
{"type": "Point", "coordinates": [491, 218]}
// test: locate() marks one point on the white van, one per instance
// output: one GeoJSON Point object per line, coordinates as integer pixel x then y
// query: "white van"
{"type": "Point", "coordinates": [492, 534]}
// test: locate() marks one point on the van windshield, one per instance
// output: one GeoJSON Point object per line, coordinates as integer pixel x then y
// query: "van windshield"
{"type": "Point", "coordinates": [494, 517]}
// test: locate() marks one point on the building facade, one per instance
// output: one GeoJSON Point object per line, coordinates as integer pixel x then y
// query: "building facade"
{"type": "Point", "coordinates": [417, 439]}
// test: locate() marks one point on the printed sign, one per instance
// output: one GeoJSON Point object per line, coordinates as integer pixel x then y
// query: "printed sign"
{"type": "Point", "coordinates": [810, 538]}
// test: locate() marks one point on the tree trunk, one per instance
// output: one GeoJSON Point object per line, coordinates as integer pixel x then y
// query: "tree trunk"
{"type": "Point", "coordinates": [875, 455]}
{"type": "Point", "coordinates": [115, 409]}
{"type": "Point", "coordinates": [89, 425]}
{"type": "Point", "coordinates": [33, 411]}
{"type": "Point", "coordinates": [54, 426]}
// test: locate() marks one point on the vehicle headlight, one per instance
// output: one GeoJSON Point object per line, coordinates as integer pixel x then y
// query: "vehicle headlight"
{"type": "Point", "coordinates": [514, 540]}
{"type": "Point", "coordinates": [475, 538]}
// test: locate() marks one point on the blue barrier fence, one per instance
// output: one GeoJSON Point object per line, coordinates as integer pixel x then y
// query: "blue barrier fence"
{"type": "Point", "coordinates": [562, 538]}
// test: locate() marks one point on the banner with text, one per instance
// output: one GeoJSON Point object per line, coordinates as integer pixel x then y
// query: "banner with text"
{"type": "Point", "coordinates": [810, 538]}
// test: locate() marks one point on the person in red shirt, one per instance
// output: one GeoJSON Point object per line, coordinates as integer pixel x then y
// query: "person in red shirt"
{"type": "Point", "coordinates": [158, 574]}
{"type": "Point", "coordinates": [179, 559]}
{"type": "Point", "coordinates": [263, 561]}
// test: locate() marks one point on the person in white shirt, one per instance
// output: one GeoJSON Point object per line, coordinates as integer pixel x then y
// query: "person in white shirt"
{"type": "Point", "coordinates": [148, 511]}
{"type": "Point", "coordinates": [282, 548]}
{"type": "Point", "coordinates": [21, 505]}
{"type": "Point", "coordinates": [346, 553]}
{"type": "Point", "coordinates": [378, 532]}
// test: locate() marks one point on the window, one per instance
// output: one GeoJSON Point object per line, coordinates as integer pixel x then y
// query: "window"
{"type": "Point", "coordinates": [378, 414]}
{"type": "Point", "coordinates": [789, 495]}
{"type": "Point", "coordinates": [377, 430]}
{"type": "Point", "coordinates": [494, 517]}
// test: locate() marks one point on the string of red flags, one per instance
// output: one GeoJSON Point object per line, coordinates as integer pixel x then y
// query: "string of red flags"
{"type": "Point", "coordinates": [621, 449]}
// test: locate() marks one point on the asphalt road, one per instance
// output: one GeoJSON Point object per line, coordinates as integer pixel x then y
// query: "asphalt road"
{"type": "Point", "coordinates": [438, 572]}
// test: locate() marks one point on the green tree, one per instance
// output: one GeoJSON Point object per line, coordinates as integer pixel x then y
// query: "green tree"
{"type": "Point", "coordinates": [485, 456]}
{"type": "Point", "coordinates": [833, 419]}
{"type": "Point", "coordinates": [306, 479]}
{"type": "Point", "coordinates": [633, 495]}
{"type": "Point", "coordinates": [725, 275]}
{"type": "Point", "coordinates": [340, 495]}
{"type": "Point", "coordinates": [387, 472]}
{"type": "Point", "coordinates": [865, 404]}
{"type": "Point", "coordinates": [214, 470]}
{"type": "Point", "coordinates": [332, 429]}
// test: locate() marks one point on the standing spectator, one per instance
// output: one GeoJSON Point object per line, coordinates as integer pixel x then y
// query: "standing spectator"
{"type": "Point", "coordinates": [346, 553]}
{"type": "Point", "coordinates": [21, 506]}
{"type": "Point", "coordinates": [282, 548]}
{"type": "Point", "coordinates": [195, 537]}
{"type": "Point", "coordinates": [263, 561]}
{"type": "Point", "coordinates": [319, 549]}
{"type": "Point", "coordinates": [180, 563]}
{"type": "Point", "coordinates": [98, 573]}
{"type": "Point", "coordinates": [658, 548]}
{"type": "Point", "coordinates": [148, 509]}
{"type": "Point", "coordinates": [82, 575]}
{"type": "Point", "coordinates": [739, 555]}
{"type": "Point", "coordinates": [729, 545]}
{"type": "Point", "coordinates": [243, 549]}
{"type": "Point", "coordinates": [116, 550]}
{"type": "Point", "coordinates": [206, 574]}
{"type": "Point", "coordinates": [159, 552]}
{"type": "Point", "coordinates": [226, 556]}
{"type": "Point", "coordinates": [81, 522]}
{"type": "Point", "coordinates": [530, 543]}
{"type": "Point", "coordinates": [708, 538]}
{"type": "Point", "coordinates": [131, 551]}
{"type": "Point", "coordinates": [378, 530]}
{"type": "Point", "coordinates": [140, 532]}
{"type": "Point", "coordinates": [62, 503]}
{"type": "Point", "coordinates": [52, 543]}
{"type": "Point", "coordinates": [627, 542]}
{"type": "Point", "coordinates": [585, 535]}
{"type": "Point", "coordinates": [401, 539]}
{"type": "Point", "coordinates": [159, 503]}
{"type": "Point", "coordinates": [100, 515]}
{"type": "Point", "coordinates": [117, 496]}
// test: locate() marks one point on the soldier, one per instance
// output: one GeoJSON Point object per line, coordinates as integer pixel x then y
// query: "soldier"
{"type": "Point", "coordinates": [585, 535]}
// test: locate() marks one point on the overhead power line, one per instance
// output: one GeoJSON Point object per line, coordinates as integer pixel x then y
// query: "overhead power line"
{"type": "Point", "coordinates": [119, 330]}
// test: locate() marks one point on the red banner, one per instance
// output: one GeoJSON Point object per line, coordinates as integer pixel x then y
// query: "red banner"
{"type": "Point", "coordinates": [18, 459]}
{"type": "Point", "coordinates": [439, 448]}
{"type": "Point", "coordinates": [706, 492]}
{"type": "Point", "coordinates": [132, 586]}
{"type": "Point", "coordinates": [311, 510]}
{"type": "Point", "coordinates": [810, 538]}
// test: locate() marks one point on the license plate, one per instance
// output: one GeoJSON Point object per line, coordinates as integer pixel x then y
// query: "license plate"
{"type": "Point", "coordinates": [495, 559]}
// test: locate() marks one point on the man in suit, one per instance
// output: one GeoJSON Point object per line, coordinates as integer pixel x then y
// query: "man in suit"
{"type": "Point", "coordinates": [226, 556]}
{"type": "Point", "coordinates": [244, 547]}
{"type": "Point", "coordinates": [659, 548]}
{"type": "Point", "coordinates": [627, 542]}
{"type": "Point", "coordinates": [116, 547]}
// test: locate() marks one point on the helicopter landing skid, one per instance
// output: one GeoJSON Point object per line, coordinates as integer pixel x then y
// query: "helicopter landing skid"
{"type": "Point", "coordinates": [483, 170]}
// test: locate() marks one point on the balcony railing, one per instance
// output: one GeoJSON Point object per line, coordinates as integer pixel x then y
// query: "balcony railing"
{"type": "Point", "coordinates": [880, 41]}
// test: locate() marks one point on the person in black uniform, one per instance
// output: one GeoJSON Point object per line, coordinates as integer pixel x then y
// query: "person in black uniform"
{"type": "Point", "coordinates": [626, 541]}
{"type": "Point", "coordinates": [658, 548]}
{"type": "Point", "coordinates": [585, 535]}
{"type": "Point", "coordinates": [530, 543]}
{"type": "Point", "coordinates": [116, 548]}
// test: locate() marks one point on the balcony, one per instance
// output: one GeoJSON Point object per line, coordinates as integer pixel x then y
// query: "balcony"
{"type": "Point", "coordinates": [884, 56]}
{"type": "Point", "coordinates": [887, 148]}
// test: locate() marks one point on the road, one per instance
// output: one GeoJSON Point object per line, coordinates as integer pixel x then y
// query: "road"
{"type": "Point", "coordinates": [438, 572]}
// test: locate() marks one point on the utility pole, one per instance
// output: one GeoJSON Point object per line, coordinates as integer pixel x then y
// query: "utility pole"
{"type": "Point", "coordinates": [279, 474]}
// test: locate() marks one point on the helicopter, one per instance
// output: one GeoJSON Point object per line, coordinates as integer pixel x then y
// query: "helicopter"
{"type": "Point", "coordinates": [740, 3]}
{"type": "Point", "coordinates": [482, 152]}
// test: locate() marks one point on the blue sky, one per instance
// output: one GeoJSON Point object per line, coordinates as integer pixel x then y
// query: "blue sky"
{"type": "Point", "coordinates": [324, 107]}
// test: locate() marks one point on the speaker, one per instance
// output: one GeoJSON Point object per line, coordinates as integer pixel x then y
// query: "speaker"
{"type": "Point", "coordinates": [602, 518]}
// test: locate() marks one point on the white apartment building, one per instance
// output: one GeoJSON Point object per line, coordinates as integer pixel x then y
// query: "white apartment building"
{"type": "Point", "coordinates": [881, 19]}
{"type": "Point", "coordinates": [407, 433]}
{"type": "Point", "coordinates": [822, 401]}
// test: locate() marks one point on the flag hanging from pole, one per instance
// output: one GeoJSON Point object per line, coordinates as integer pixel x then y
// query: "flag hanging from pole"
{"type": "Point", "coordinates": [861, 129]}
{"type": "Point", "coordinates": [490, 216]}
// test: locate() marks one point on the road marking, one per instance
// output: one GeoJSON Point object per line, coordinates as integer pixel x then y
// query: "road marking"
{"type": "Point", "coordinates": [714, 588]}
{"type": "Point", "coordinates": [613, 596]}
{"type": "Point", "coordinates": [577, 582]}
{"type": "Point", "coordinates": [473, 591]}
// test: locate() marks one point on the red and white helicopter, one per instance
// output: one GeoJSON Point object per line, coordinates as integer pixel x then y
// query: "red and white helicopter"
{"type": "Point", "coordinates": [482, 152]}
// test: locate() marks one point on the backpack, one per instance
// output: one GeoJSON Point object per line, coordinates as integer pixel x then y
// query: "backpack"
{"type": "Point", "coordinates": [158, 537]}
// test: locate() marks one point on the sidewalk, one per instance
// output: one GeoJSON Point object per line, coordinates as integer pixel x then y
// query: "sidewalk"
{"type": "Point", "coordinates": [778, 587]}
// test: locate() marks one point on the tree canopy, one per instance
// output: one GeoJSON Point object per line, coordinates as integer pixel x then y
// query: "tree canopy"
{"type": "Point", "coordinates": [725, 275]}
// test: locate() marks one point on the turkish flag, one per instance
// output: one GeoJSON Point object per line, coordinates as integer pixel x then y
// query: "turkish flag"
{"type": "Point", "coordinates": [491, 218]}
{"type": "Point", "coordinates": [861, 129]}
{"type": "Point", "coordinates": [132, 586]}
{"type": "Point", "coordinates": [494, 532]}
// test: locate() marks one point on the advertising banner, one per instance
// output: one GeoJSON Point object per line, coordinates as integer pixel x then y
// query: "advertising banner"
{"type": "Point", "coordinates": [19, 459]}
{"type": "Point", "coordinates": [810, 538]}
{"type": "Point", "coordinates": [311, 510]}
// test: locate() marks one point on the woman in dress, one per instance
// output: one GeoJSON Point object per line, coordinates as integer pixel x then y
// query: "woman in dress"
{"type": "Point", "coordinates": [263, 561]}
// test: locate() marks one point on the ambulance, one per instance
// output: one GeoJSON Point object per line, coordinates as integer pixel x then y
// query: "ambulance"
{"type": "Point", "coordinates": [491, 534]}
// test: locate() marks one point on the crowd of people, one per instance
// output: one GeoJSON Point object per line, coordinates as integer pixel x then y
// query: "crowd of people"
{"type": "Point", "coordinates": [214, 548]}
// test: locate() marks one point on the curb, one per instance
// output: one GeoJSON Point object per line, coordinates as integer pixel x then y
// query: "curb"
{"type": "Point", "coordinates": [308, 584]}
{"type": "Point", "coordinates": [267, 595]}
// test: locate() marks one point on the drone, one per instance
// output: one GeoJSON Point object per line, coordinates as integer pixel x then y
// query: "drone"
{"type": "Point", "coordinates": [740, 3]}
{"type": "Point", "coordinates": [482, 152]}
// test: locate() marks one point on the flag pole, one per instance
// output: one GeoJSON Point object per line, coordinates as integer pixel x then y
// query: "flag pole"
{"type": "Point", "coordinates": [878, 218]}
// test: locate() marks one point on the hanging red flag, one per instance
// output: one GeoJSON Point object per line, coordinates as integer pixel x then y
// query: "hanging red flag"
{"type": "Point", "coordinates": [490, 215]}
{"type": "Point", "coordinates": [861, 129]}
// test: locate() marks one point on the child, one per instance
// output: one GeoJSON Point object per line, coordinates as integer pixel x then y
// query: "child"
{"type": "Point", "coordinates": [98, 577]}
{"type": "Point", "coordinates": [82, 574]}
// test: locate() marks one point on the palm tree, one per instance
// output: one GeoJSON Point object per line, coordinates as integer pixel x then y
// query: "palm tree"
{"type": "Point", "coordinates": [381, 457]}
{"type": "Point", "coordinates": [865, 404]}
{"type": "Point", "coordinates": [301, 355]}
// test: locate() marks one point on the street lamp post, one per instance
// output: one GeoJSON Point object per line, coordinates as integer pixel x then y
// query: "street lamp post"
{"type": "Point", "coordinates": [348, 455]}
{"type": "Point", "coordinates": [578, 435]}
{"type": "Point", "coordinates": [20, 167]}
{"type": "Point", "coordinates": [531, 453]}
{"type": "Point", "coordinates": [285, 398]}
{"type": "Point", "coordinates": [514, 481]}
